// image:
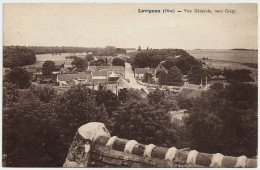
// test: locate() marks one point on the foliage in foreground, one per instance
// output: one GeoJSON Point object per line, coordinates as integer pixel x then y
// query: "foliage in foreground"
{"type": "Point", "coordinates": [224, 120]}
{"type": "Point", "coordinates": [39, 124]}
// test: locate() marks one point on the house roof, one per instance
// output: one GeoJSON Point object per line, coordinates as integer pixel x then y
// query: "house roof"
{"type": "Point", "coordinates": [99, 73]}
{"type": "Point", "coordinates": [112, 75]}
{"type": "Point", "coordinates": [191, 93]}
{"type": "Point", "coordinates": [143, 70]}
{"type": "Point", "coordinates": [92, 67]}
{"type": "Point", "coordinates": [68, 77]}
{"type": "Point", "coordinates": [116, 69]}
{"type": "Point", "coordinates": [191, 86]}
{"type": "Point", "coordinates": [161, 67]}
{"type": "Point", "coordinates": [105, 67]}
{"type": "Point", "coordinates": [110, 82]}
{"type": "Point", "coordinates": [97, 80]}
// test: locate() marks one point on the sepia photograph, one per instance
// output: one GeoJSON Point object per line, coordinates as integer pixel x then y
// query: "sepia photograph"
{"type": "Point", "coordinates": [130, 85]}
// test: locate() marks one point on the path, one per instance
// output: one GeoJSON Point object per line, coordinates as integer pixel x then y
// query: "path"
{"type": "Point", "coordinates": [129, 74]}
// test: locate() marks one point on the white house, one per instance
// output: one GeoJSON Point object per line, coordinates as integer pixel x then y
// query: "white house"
{"type": "Point", "coordinates": [139, 72]}
{"type": "Point", "coordinates": [99, 75]}
{"type": "Point", "coordinates": [73, 79]}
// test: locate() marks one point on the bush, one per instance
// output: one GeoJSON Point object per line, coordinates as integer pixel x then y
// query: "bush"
{"type": "Point", "coordinates": [19, 77]}
{"type": "Point", "coordinates": [13, 57]}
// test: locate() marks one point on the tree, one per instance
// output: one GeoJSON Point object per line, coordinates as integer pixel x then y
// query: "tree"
{"type": "Point", "coordinates": [170, 57]}
{"type": "Point", "coordinates": [160, 99]}
{"type": "Point", "coordinates": [10, 93]}
{"type": "Point", "coordinates": [184, 103]}
{"type": "Point", "coordinates": [48, 67]}
{"type": "Point", "coordinates": [19, 77]}
{"type": "Point", "coordinates": [156, 97]}
{"type": "Point", "coordinates": [127, 95]}
{"type": "Point", "coordinates": [80, 63]}
{"type": "Point", "coordinates": [242, 75]}
{"type": "Point", "coordinates": [224, 120]}
{"type": "Point", "coordinates": [120, 51]}
{"type": "Point", "coordinates": [89, 57]}
{"type": "Point", "coordinates": [31, 136]}
{"type": "Point", "coordinates": [174, 76]}
{"type": "Point", "coordinates": [16, 56]}
{"type": "Point", "coordinates": [118, 62]}
{"type": "Point", "coordinates": [44, 93]}
{"type": "Point", "coordinates": [99, 62]}
{"type": "Point", "coordinates": [76, 107]}
{"type": "Point", "coordinates": [162, 77]}
{"type": "Point", "coordinates": [108, 99]}
{"type": "Point", "coordinates": [142, 122]}
{"type": "Point", "coordinates": [196, 75]}
{"type": "Point", "coordinates": [148, 77]}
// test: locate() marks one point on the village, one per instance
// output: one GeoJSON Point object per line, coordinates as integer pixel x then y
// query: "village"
{"type": "Point", "coordinates": [102, 73]}
{"type": "Point", "coordinates": [120, 85]}
{"type": "Point", "coordinates": [115, 78]}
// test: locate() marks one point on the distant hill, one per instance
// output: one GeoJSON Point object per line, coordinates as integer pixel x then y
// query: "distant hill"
{"type": "Point", "coordinates": [244, 49]}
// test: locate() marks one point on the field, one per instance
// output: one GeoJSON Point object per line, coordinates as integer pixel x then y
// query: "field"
{"type": "Point", "coordinates": [242, 56]}
{"type": "Point", "coordinates": [220, 64]}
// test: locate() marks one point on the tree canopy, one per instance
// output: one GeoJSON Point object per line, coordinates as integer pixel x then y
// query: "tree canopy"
{"type": "Point", "coordinates": [118, 62]}
{"type": "Point", "coordinates": [39, 124]}
{"type": "Point", "coordinates": [80, 63]}
{"type": "Point", "coordinates": [48, 67]}
{"type": "Point", "coordinates": [13, 56]}
{"type": "Point", "coordinates": [107, 51]}
{"type": "Point", "coordinates": [196, 75]}
{"type": "Point", "coordinates": [142, 122]}
{"type": "Point", "coordinates": [19, 77]}
{"type": "Point", "coordinates": [148, 77]}
{"type": "Point", "coordinates": [174, 76]}
{"type": "Point", "coordinates": [169, 57]}
{"type": "Point", "coordinates": [162, 77]}
{"type": "Point", "coordinates": [242, 75]}
{"type": "Point", "coordinates": [89, 57]}
{"type": "Point", "coordinates": [183, 61]}
{"type": "Point", "coordinates": [99, 62]}
{"type": "Point", "coordinates": [224, 120]}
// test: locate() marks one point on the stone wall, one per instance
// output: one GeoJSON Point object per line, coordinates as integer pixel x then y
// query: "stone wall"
{"type": "Point", "coordinates": [94, 147]}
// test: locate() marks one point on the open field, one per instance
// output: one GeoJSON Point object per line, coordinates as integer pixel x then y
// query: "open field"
{"type": "Point", "coordinates": [221, 64]}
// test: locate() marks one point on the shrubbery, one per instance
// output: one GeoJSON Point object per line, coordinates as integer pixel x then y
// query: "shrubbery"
{"type": "Point", "coordinates": [39, 124]}
{"type": "Point", "coordinates": [14, 56]}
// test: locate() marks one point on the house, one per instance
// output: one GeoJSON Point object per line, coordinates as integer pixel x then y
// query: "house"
{"type": "Point", "coordinates": [219, 77]}
{"type": "Point", "coordinates": [99, 75]}
{"type": "Point", "coordinates": [110, 85]}
{"type": "Point", "coordinates": [119, 70]}
{"type": "Point", "coordinates": [159, 68]}
{"type": "Point", "coordinates": [68, 70]}
{"type": "Point", "coordinates": [139, 72]}
{"type": "Point", "coordinates": [67, 64]}
{"type": "Point", "coordinates": [184, 78]}
{"type": "Point", "coordinates": [93, 86]}
{"type": "Point", "coordinates": [73, 79]}
{"type": "Point", "coordinates": [179, 115]}
{"type": "Point", "coordinates": [45, 79]}
{"type": "Point", "coordinates": [192, 90]}
{"type": "Point", "coordinates": [192, 86]}
{"type": "Point", "coordinates": [112, 76]}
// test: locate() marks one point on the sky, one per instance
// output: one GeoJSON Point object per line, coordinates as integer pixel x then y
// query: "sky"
{"type": "Point", "coordinates": [121, 25]}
